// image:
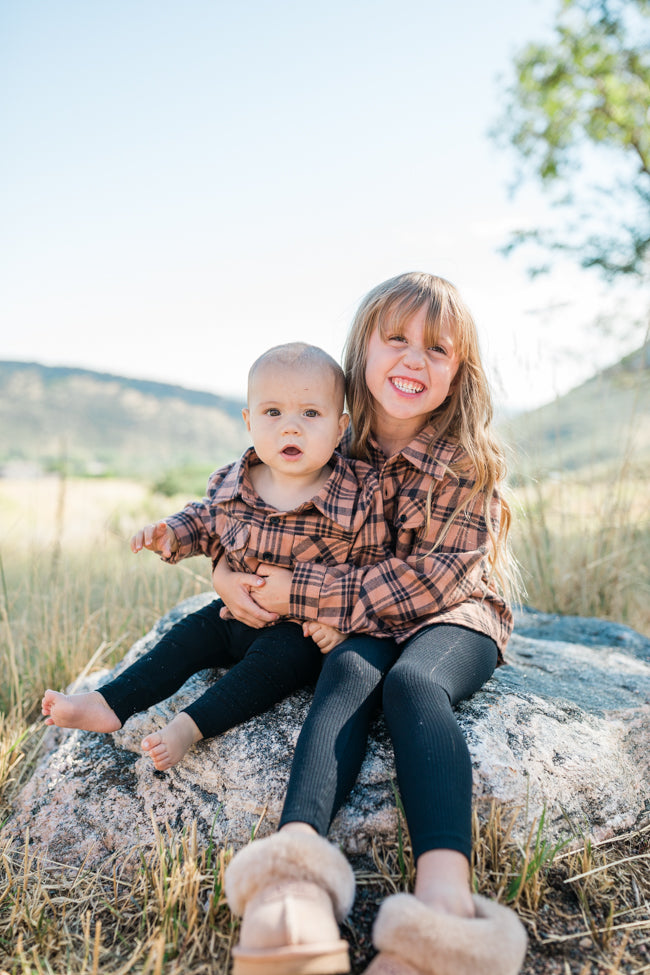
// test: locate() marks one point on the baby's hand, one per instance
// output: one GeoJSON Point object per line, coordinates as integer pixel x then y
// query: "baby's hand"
{"type": "Point", "coordinates": [325, 637]}
{"type": "Point", "coordinates": [158, 538]}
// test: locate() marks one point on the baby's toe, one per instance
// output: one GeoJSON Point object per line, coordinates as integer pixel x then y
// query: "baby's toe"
{"type": "Point", "coordinates": [150, 742]}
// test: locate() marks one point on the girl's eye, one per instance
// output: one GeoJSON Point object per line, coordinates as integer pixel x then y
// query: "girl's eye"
{"type": "Point", "coordinates": [396, 338]}
{"type": "Point", "coordinates": [437, 348]}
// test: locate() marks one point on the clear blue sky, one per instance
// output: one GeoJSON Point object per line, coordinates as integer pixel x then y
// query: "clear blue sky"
{"type": "Point", "coordinates": [183, 184]}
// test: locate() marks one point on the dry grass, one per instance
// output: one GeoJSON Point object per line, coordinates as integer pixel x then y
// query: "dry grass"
{"type": "Point", "coordinates": [72, 596]}
{"type": "Point", "coordinates": [583, 545]}
{"type": "Point", "coordinates": [159, 910]}
{"type": "Point", "coordinates": [78, 600]}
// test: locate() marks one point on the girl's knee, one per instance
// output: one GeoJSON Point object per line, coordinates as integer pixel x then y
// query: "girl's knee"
{"type": "Point", "coordinates": [361, 656]}
{"type": "Point", "coordinates": [407, 684]}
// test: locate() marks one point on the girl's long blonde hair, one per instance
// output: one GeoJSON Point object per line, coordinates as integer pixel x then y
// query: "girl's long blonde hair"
{"type": "Point", "coordinates": [465, 416]}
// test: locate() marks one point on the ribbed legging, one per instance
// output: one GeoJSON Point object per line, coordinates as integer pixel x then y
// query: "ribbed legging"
{"type": "Point", "coordinates": [431, 673]}
{"type": "Point", "coordinates": [265, 667]}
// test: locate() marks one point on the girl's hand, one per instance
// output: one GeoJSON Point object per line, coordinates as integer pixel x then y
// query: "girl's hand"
{"type": "Point", "coordinates": [235, 590]}
{"type": "Point", "coordinates": [276, 592]}
{"type": "Point", "coordinates": [158, 538]}
{"type": "Point", "coordinates": [325, 637]}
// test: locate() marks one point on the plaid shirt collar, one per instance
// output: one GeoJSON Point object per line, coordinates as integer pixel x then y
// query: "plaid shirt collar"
{"type": "Point", "coordinates": [237, 484]}
{"type": "Point", "coordinates": [428, 453]}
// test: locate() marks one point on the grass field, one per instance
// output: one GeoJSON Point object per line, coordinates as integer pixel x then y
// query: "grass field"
{"type": "Point", "coordinates": [73, 597]}
{"type": "Point", "coordinates": [582, 544]}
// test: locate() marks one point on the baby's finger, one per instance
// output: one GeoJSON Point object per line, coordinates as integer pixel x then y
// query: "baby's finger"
{"type": "Point", "coordinates": [137, 541]}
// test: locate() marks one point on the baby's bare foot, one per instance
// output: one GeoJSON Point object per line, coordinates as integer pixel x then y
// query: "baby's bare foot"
{"type": "Point", "coordinates": [87, 711]}
{"type": "Point", "coordinates": [169, 745]}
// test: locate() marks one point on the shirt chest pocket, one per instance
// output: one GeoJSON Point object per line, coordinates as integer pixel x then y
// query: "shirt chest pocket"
{"type": "Point", "coordinates": [408, 524]}
{"type": "Point", "coordinates": [234, 536]}
{"type": "Point", "coordinates": [313, 548]}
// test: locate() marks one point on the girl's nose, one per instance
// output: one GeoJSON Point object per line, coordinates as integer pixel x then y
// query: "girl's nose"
{"type": "Point", "coordinates": [414, 357]}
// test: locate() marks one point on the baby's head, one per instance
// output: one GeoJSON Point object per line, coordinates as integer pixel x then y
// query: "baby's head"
{"type": "Point", "coordinates": [296, 395]}
{"type": "Point", "coordinates": [299, 358]}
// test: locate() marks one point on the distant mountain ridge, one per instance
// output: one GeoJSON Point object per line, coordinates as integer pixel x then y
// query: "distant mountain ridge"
{"type": "Point", "coordinates": [91, 423]}
{"type": "Point", "coordinates": [51, 374]}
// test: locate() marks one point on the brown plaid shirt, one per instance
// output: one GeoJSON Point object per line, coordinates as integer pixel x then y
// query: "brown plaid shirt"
{"type": "Point", "coordinates": [416, 586]}
{"type": "Point", "coordinates": [343, 524]}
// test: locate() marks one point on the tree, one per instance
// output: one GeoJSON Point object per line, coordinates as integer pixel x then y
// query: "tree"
{"type": "Point", "coordinates": [578, 117]}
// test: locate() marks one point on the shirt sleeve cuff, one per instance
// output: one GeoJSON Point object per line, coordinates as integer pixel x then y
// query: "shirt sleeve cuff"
{"type": "Point", "coordinates": [306, 584]}
{"type": "Point", "coordinates": [185, 531]}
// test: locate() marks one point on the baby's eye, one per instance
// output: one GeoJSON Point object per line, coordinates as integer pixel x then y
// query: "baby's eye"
{"type": "Point", "coordinates": [311, 413]}
{"type": "Point", "coordinates": [272, 411]}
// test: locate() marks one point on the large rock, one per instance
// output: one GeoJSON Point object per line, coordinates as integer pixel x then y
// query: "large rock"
{"type": "Point", "coordinates": [562, 727]}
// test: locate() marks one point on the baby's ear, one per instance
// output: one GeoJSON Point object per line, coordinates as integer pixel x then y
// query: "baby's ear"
{"type": "Point", "coordinates": [344, 422]}
{"type": "Point", "coordinates": [246, 413]}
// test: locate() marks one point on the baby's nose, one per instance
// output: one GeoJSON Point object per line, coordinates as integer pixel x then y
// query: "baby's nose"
{"type": "Point", "coordinates": [292, 423]}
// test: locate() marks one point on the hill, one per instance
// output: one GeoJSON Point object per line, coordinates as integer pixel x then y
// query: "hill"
{"type": "Point", "coordinates": [95, 423]}
{"type": "Point", "coordinates": [599, 424]}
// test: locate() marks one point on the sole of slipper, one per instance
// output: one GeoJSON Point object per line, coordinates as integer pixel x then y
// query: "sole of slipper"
{"type": "Point", "coordinates": [301, 960]}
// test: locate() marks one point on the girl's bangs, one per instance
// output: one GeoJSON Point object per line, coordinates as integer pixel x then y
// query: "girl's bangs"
{"type": "Point", "coordinates": [392, 320]}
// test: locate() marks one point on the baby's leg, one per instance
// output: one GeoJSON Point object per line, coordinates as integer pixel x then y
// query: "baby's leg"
{"type": "Point", "coordinates": [87, 711]}
{"type": "Point", "coordinates": [169, 745]}
{"type": "Point", "coordinates": [278, 662]}
{"type": "Point", "coordinates": [275, 662]}
{"type": "Point", "coordinates": [197, 642]}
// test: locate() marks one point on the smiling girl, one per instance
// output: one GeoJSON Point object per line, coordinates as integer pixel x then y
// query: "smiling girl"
{"type": "Point", "coordinates": [421, 414]}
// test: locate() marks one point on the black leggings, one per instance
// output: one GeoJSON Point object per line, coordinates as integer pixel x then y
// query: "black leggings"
{"type": "Point", "coordinates": [265, 667]}
{"type": "Point", "coordinates": [433, 671]}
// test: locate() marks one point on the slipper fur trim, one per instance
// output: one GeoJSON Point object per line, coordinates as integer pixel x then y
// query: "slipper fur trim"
{"type": "Point", "coordinates": [288, 856]}
{"type": "Point", "coordinates": [441, 944]}
{"type": "Point", "coordinates": [385, 964]}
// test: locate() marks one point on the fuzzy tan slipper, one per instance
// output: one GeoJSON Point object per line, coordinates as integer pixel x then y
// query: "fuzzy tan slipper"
{"type": "Point", "coordinates": [385, 964]}
{"type": "Point", "coordinates": [290, 889]}
{"type": "Point", "coordinates": [415, 940]}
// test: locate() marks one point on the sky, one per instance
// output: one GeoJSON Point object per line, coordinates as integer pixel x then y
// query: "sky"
{"type": "Point", "coordinates": [184, 184]}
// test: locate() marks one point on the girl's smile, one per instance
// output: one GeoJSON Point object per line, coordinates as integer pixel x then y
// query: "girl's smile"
{"type": "Point", "coordinates": [407, 385]}
{"type": "Point", "coordinates": [407, 378]}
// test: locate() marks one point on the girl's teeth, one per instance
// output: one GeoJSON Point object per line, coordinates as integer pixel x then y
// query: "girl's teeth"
{"type": "Point", "coordinates": [405, 386]}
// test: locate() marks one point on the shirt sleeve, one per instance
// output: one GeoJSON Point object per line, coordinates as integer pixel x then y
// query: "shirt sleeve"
{"type": "Point", "coordinates": [371, 545]}
{"type": "Point", "coordinates": [194, 526]}
{"type": "Point", "coordinates": [414, 584]}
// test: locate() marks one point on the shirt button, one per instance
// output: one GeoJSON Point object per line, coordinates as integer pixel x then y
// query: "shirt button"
{"type": "Point", "coordinates": [267, 556]}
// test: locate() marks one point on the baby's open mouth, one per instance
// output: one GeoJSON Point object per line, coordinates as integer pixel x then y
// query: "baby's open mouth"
{"type": "Point", "coordinates": [407, 385]}
{"type": "Point", "coordinates": [291, 451]}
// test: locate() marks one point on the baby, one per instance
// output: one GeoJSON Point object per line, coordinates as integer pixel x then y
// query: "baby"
{"type": "Point", "coordinates": [289, 498]}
